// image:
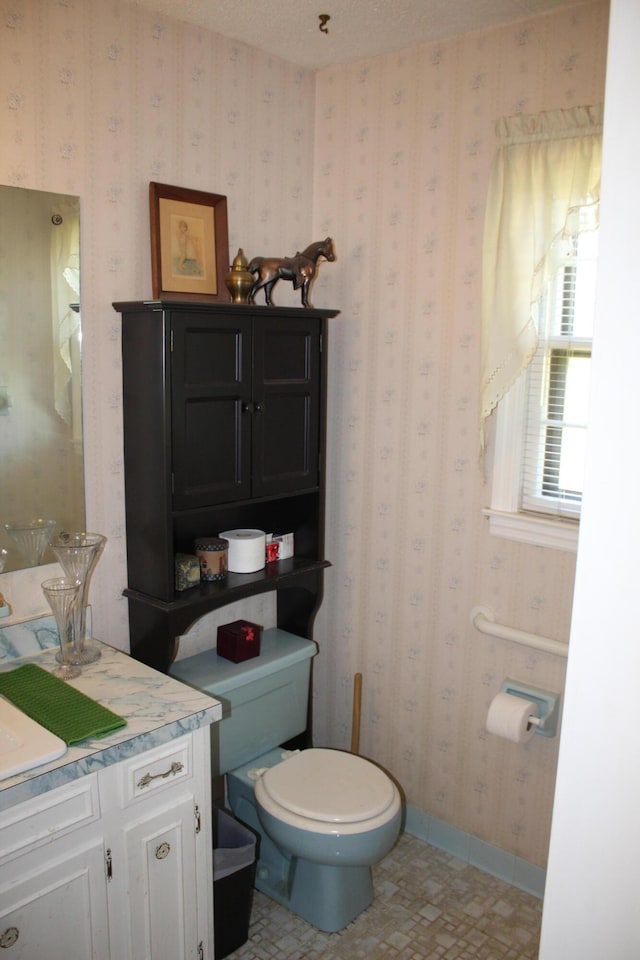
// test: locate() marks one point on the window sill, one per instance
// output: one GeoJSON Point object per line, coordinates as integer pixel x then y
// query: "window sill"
{"type": "Point", "coordinates": [556, 534]}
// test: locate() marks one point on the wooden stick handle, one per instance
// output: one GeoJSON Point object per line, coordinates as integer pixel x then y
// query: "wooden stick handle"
{"type": "Point", "coordinates": [355, 721]}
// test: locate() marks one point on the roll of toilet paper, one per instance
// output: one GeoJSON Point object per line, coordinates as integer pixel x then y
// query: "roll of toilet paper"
{"type": "Point", "coordinates": [509, 717]}
{"type": "Point", "coordinates": [246, 550]}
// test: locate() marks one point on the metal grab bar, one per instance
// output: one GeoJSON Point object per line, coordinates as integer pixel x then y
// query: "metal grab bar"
{"type": "Point", "coordinates": [484, 620]}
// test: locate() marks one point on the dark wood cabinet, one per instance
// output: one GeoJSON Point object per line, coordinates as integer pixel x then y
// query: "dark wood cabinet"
{"type": "Point", "coordinates": [252, 385]}
{"type": "Point", "coordinates": [224, 427]}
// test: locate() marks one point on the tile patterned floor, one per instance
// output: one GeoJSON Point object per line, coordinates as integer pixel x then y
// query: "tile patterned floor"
{"type": "Point", "coordinates": [428, 906]}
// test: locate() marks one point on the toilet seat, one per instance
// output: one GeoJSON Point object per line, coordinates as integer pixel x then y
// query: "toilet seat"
{"type": "Point", "coordinates": [327, 790]}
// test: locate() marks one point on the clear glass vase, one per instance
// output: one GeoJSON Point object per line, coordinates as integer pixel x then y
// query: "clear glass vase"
{"type": "Point", "coordinates": [78, 554]}
{"type": "Point", "coordinates": [31, 537]}
{"type": "Point", "coordinates": [63, 596]}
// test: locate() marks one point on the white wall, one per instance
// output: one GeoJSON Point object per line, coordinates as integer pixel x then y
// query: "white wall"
{"type": "Point", "coordinates": [591, 902]}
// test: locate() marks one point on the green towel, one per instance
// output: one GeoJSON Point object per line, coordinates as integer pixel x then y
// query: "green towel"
{"type": "Point", "coordinates": [53, 704]}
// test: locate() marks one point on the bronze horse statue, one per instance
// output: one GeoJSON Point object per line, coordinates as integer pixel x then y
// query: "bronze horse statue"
{"type": "Point", "coordinates": [300, 269]}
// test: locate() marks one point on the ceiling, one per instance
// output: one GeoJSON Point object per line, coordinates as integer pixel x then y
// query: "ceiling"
{"type": "Point", "coordinates": [355, 30]}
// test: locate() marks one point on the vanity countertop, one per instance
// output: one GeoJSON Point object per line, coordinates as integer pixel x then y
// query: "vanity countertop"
{"type": "Point", "coordinates": [157, 709]}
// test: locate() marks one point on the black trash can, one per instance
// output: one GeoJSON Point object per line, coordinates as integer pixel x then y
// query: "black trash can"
{"type": "Point", "coordinates": [234, 870]}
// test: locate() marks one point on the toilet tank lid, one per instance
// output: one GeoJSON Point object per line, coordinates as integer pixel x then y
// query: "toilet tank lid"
{"type": "Point", "coordinates": [207, 671]}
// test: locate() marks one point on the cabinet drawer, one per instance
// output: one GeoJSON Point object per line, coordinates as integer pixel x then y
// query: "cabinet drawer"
{"type": "Point", "coordinates": [48, 816]}
{"type": "Point", "coordinates": [156, 770]}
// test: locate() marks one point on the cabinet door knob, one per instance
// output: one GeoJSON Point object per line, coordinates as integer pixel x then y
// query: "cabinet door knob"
{"type": "Point", "coordinates": [8, 937]}
{"type": "Point", "coordinates": [162, 851]}
{"type": "Point", "coordinates": [258, 407]}
{"type": "Point", "coordinates": [247, 408]}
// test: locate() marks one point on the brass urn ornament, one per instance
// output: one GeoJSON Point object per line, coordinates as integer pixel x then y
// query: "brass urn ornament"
{"type": "Point", "coordinates": [239, 281]}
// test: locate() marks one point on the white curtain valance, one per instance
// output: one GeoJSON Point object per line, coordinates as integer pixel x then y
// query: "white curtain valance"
{"type": "Point", "coordinates": [546, 166]}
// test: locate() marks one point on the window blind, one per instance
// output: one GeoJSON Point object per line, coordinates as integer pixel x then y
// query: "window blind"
{"type": "Point", "coordinates": [558, 377]}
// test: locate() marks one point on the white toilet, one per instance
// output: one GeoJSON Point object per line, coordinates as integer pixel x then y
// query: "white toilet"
{"type": "Point", "coordinates": [324, 816]}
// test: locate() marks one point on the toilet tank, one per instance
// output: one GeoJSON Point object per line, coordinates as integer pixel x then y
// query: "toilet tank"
{"type": "Point", "coordinates": [264, 700]}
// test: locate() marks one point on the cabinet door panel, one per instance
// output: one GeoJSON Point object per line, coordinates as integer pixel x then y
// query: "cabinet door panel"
{"type": "Point", "coordinates": [287, 400]}
{"type": "Point", "coordinates": [211, 390]}
{"type": "Point", "coordinates": [58, 911]}
{"type": "Point", "coordinates": [285, 351]}
{"type": "Point", "coordinates": [37, 821]}
{"type": "Point", "coordinates": [162, 894]}
{"type": "Point", "coordinates": [285, 450]}
{"type": "Point", "coordinates": [211, 471]}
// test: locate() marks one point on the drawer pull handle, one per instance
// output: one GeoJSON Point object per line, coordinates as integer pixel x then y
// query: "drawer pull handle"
{"type": "Point", "coordinates": [175, 767]}
{"type": "Point", "coordinates": [162, 851]}
{"type": "Point", "coordinates": [8, 937]}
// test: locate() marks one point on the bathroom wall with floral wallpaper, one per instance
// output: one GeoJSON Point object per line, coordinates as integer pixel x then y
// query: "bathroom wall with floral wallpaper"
{"type": "Point", "coordinates": [390, 156]}
{"type": "Point", "coordinates": [99, 99]}
{"type": "Point", "coordinates": [404, 144]}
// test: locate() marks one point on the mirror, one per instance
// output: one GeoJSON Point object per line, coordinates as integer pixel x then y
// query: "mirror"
{"type": "Point", "coordinates": [41, 453]}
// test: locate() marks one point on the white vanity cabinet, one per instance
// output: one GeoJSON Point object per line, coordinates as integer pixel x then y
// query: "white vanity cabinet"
{"type": "Point", "coordinates": [115, 865]}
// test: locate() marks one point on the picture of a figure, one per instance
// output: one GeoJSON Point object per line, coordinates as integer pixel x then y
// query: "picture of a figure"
{"type": "Point", "coordinates": [186, 255]}
{"type": "Point", "coordinates": [187, 248]}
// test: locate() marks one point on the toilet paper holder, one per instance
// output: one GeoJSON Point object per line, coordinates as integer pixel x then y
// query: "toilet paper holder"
{"type": "Point", "coordinates": [548, 704]}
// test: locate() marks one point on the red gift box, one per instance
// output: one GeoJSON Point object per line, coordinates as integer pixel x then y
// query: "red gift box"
{"type": "Point", "coordinates": [239, 640]}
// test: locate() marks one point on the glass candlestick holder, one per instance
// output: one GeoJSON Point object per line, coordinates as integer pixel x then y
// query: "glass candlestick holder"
{"type": "Point", "coordinates": [78, 554]}
{"type": "Point", "coordinates": [63, 595]}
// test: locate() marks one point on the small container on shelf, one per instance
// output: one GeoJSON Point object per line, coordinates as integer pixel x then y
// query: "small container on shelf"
{"type": "Point", "coordinates": [279, 546]}
{"type": "Point", "coordinates": [187, 571]}
{"type": "Point", "coordinates": [212, 553]}
{"type": "Point", "coordinates": [239, 640]}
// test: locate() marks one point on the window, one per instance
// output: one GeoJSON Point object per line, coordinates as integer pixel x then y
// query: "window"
{"type": "Point", "coordinates": [545, 423]}
{"type": "Point", "coordinates": [558, 377]}
{"type": "Point", "coordinates": [539, 268]}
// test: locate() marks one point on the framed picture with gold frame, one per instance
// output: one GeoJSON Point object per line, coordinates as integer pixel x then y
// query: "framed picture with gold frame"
{"type": "Point", "coordinates": [189, 243]}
